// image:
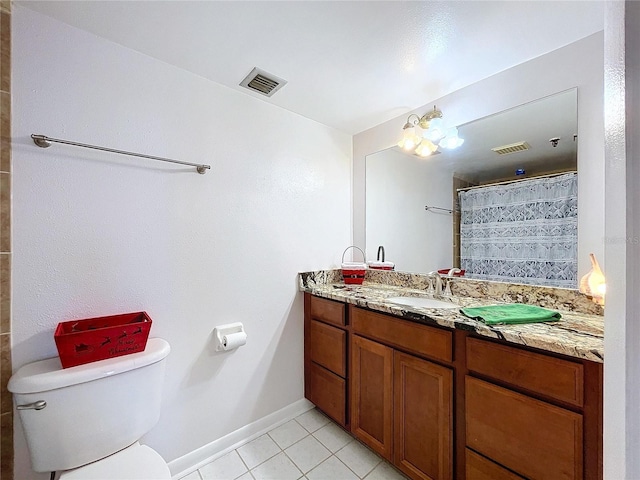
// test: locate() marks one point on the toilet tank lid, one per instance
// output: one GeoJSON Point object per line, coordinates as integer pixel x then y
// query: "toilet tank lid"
{"type": "Point", "coordinates": [46, 375]}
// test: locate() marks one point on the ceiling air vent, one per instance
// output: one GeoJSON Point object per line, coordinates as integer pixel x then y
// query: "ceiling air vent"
{"type": "Point", "coordinates": [511, 148]}
{"type": "Point", "coordinates": [263, 82]}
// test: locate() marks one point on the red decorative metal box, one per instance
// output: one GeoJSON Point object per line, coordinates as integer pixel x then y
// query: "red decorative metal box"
{"type": "Point", "coordinates": [92, 339]}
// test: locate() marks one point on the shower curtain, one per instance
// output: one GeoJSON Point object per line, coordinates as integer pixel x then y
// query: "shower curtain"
{"type": "Point", "coordinates": [521, 232]}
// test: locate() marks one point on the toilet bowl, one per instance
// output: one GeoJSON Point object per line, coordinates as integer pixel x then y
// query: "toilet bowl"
{"type": "Point", "coordinates": [137, 462]}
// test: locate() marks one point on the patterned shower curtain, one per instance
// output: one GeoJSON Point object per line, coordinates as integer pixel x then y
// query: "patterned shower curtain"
{"type": "Point", "coordinates": [522, 232]}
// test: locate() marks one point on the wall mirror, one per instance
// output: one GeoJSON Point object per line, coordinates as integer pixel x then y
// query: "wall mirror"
{"type": "Point", "coordinates": [399, 184]}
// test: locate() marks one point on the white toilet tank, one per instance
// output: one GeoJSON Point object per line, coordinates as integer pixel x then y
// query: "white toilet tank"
{"type": "Point", "coordinates": [91, 410]}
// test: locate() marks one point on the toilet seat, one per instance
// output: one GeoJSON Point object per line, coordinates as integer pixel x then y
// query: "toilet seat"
{"type": "Point", "coordinates": [137, 462]}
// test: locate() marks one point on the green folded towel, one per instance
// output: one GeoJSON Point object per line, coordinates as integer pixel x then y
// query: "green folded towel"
{"type": "Point", "coordinates": [511, 313]}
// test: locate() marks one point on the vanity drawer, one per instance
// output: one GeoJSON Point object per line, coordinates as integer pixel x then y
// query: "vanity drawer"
{"type": "Point", "coordinates": [327, 311]}
{"type": "Point", "coordinates": [530, 437]}
{"type": "Point", "coordinates": [480, 468]}
{"type": "Point", "coordinates": [327, 391]}
{"type": "Point", "coordinates": [328, 347]}
{"type": "Point", "coordinates": [549, 376]}
{"type": "Point", "coordinates": [405, 335]}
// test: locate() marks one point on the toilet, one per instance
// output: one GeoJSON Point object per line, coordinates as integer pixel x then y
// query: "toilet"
{"type": "Point", "coordinates": [85, 421]}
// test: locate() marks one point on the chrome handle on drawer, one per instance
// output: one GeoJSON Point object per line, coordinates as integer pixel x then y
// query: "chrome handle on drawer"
{"type": "Point", "coordinates": [39, 405]}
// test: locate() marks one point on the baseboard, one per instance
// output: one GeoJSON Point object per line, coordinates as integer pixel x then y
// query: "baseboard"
{"type": "Point", "coordinates": [192, 461]}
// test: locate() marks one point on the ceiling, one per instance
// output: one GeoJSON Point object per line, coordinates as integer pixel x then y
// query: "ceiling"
{"type": "Point", "coordinates": [350, 65]}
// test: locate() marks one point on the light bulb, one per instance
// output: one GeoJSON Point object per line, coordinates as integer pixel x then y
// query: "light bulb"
{"type": "Point", "coordinates": [409, 138]}
{"type": "Point", "coordinates": [435, 131]}
{"type": "Point", "coordinates": [426, 148]}
{"type": "Point", "coordinates": [452, 140]}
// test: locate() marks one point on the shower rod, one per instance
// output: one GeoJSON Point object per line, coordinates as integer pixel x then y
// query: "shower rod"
{"type": "Point", "coordinates": [514, 180]}
{"type": "Point", "coordinates": [44, 142]}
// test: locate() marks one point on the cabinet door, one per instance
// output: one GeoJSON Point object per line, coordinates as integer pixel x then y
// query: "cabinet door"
{"type": "Point", "coordinates": [423, 406]}
{"type": "Point", "coordinates": [371, 393]}
{"type": "Point", "coordinates": [327, 391]}
{"type": "Point", "coordinates": [542, 374]}
{"type": "Point", "coordinates": [328, 311]}
{"type": "Point", "coordinates": [533, 438]}
{"type": "Point", "coordinates": [480, 468]}
{"type": "Point", "coordinates": [328, 347]}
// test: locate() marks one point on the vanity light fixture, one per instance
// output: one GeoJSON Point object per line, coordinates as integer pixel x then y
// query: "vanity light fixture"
{"type": "Point", "coordinates": [424, 135]}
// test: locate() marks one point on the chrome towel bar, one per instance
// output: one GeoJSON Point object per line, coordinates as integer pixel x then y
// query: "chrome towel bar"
{"type": "Point", "coordinates": [429, 209]}
{"type": "Point", "coordinates": [44, 142]}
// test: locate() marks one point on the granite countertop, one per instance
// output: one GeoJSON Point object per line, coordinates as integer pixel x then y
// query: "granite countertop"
{"type": "Point", "coordinates": [577, 334]}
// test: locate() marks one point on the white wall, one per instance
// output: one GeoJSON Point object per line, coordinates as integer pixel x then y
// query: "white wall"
{"type": "Point", "coordinates": [622, 326]}
{"type": "Point", "coordinates": [96, 234]}
{"type": "Point", "coordinates": [398, 188]}
{"type": "Point", "coordinates": [579, 64]}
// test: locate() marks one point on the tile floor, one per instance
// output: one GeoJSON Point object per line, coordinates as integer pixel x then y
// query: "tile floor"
{"type": "Point", "coordinates": [310, 447]}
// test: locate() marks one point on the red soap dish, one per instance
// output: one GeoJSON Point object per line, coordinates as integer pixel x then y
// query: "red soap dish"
{"type": "Point", "coordinates": [445, 271]}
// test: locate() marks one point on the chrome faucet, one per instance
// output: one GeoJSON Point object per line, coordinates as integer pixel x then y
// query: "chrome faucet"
{"type": "Point", "coordinates": [438, 286]}
{"type": "Point", "coordinates": [380, 253]}
{"type": "Point", "coordinates": [446, 282]}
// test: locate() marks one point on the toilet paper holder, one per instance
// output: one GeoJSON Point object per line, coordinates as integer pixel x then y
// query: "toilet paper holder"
{"type": "Point", "coordinates": [221, 331]}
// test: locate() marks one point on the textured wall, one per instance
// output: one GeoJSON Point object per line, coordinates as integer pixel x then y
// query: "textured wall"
{"type": "Point", "coordinates": [6, 408]}
{"type": "Point", "coordinates": [97, 233]}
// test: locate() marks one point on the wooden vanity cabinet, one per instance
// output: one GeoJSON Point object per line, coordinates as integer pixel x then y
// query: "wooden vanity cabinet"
{"type": "Point", "coordinates": [325, 356]}
{"type": "Point", "coordinates": [402, 403]}
{"type": "Point", "coordinates": [443, 404]}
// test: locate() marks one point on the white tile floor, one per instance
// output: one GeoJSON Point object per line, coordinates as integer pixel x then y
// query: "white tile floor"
{"type": "Point", "coordinates": [310, 447]}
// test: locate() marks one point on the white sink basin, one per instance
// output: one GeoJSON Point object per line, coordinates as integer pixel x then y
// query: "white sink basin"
{"type": "Point", "coordinates": [422, 302]}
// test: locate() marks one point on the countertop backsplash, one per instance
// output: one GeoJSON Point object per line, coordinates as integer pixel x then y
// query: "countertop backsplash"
{"type": "Point", "coordinates": [563, 299]}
